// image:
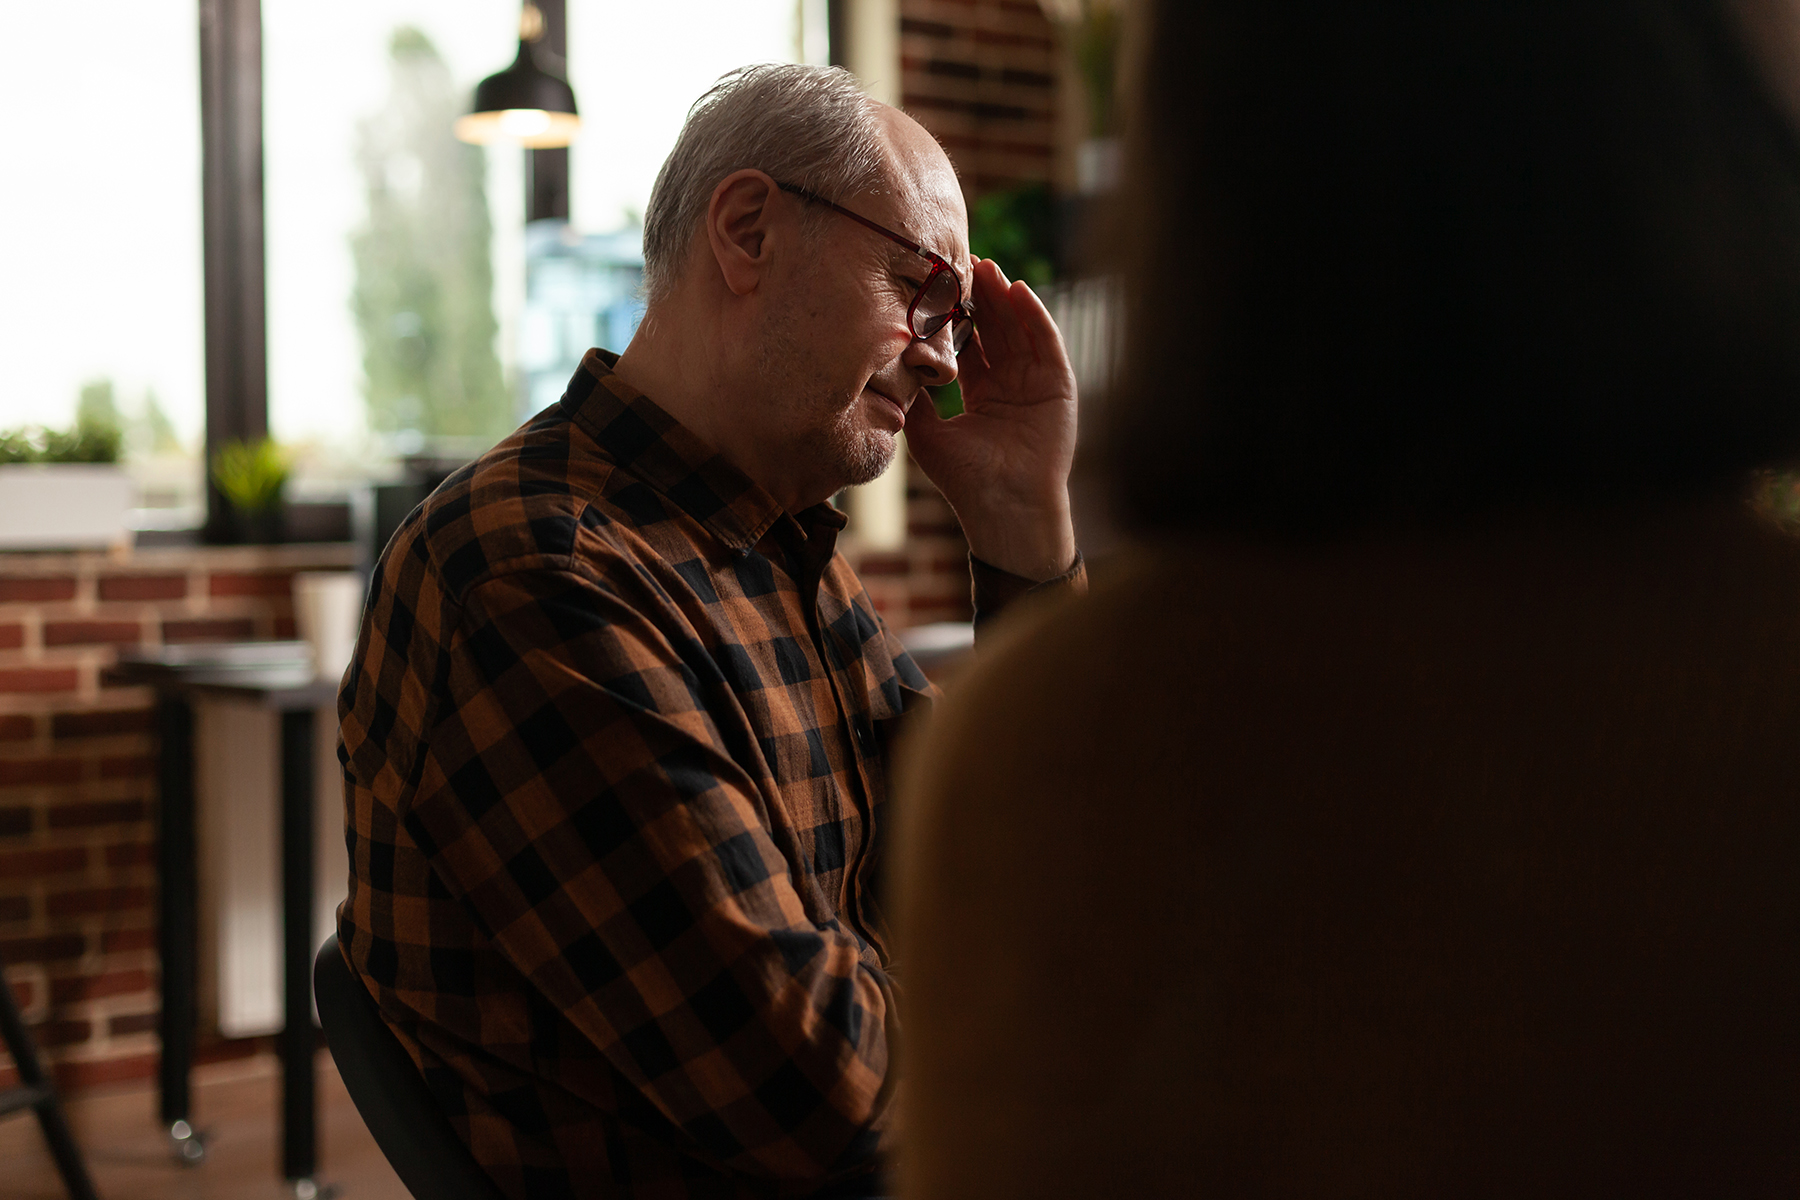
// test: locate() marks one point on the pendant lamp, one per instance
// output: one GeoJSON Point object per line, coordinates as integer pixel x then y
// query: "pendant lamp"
{"type": "Point", "coordinates": [523, 104]}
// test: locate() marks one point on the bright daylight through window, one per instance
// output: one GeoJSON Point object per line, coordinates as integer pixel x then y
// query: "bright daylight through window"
{"type": "Point", "coordinates": [411, 311]}
{"type": "Point", "coordinates": [100, 292]}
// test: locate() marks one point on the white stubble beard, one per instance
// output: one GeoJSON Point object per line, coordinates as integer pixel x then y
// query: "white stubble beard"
{"type": "Point", "coordinates": [855, 451]}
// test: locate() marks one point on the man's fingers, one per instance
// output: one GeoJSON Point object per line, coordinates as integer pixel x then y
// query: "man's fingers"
{"type": "Point", "coordinates": [1038, 325]}
{"type": "Point", "coordinates": [995, 314]}
{"type": "Point", "coordinates": [972, 367]}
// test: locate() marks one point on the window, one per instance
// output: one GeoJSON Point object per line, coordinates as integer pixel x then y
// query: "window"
{"type": "Point", "coordinates": [636, 69]}
{"type": "Point", "coordinates": [100, 231]}
{"type": "Point", "coordinates": [395, 252]}
{"type": "Point", "coordinates": [397, 260]}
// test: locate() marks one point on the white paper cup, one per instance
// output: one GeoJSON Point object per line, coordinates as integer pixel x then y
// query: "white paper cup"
{"type": "Point", "coordinates": [328, 616]}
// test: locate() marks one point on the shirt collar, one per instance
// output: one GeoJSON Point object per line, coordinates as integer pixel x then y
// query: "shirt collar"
{"type": "Point", "coordinates": [639, 436]}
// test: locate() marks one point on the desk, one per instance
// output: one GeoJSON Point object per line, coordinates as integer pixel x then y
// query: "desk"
{"type": "Point", "coordinates": [277, 676]}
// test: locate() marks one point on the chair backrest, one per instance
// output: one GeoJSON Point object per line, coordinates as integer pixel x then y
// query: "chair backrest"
{"type": "Point", "coordinates": [389, 1092]}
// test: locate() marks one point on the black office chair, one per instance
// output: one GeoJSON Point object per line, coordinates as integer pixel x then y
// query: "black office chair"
{"type": "Point", "coordinates": [389, 1092]}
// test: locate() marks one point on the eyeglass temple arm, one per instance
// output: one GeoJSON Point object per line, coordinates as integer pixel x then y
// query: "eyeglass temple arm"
{"type": "Point", "coordinates": [860, 220]}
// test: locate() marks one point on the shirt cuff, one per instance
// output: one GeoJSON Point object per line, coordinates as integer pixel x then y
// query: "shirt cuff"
{"type": "Point", "coordinates": [994, 589]}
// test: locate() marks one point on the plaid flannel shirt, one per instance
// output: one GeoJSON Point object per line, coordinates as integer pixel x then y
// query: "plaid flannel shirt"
{"type": "Point", "coordinates": [615, 741]}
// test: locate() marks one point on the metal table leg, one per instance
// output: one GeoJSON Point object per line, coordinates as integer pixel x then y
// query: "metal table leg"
{"type": "Point", "coordinates": [177, 926]}
{"type": "Point", "coordinates": [298, 1038]}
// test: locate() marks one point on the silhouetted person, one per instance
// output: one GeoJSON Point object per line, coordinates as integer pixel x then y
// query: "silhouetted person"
{"type": "Point", "coordinates": [1415, 810]}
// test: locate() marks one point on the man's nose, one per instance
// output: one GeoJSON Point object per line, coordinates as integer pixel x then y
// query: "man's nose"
{"type": "Point", "coordinates": [934, 358]}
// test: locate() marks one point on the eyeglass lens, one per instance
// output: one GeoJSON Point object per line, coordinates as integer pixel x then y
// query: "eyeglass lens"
{"type": "Point", "coordinates": [942, 294]}
{"type": "Point", "coordinates": [960, 334]}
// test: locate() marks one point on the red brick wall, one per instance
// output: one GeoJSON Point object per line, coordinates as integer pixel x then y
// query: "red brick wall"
{"type": "Point", "coordinates": [78, 757]}
{"type": "Point", "coordinates": [981, 75]}
{"type": "Point", "coordinates": [78, 782]}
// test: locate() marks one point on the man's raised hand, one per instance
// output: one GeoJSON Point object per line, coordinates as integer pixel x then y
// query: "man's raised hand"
{"type": "Point", "coordinates": [1004, 463]}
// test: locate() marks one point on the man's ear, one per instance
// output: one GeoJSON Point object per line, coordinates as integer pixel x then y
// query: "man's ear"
{"type": "Point", "coordinates": [738, 223]}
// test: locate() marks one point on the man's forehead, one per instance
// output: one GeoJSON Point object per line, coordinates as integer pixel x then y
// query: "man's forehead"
{"type": "Point", "coordinates": [924, 200]}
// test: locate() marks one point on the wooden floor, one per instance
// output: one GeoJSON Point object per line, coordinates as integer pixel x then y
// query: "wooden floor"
{"type": "Point", "coordinates": [237, 1105]}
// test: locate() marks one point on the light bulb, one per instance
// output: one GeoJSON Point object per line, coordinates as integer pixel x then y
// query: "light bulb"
{"type": "Point", "coordinates": [524, 122]}
{"type": "Point", "coordinates": [535, 128]}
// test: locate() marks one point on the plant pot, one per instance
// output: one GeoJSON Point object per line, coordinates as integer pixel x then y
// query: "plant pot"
{"type": "Point", "coordinates": [64, 506]}
{"type": "Point", "coordinates": [264, 527]}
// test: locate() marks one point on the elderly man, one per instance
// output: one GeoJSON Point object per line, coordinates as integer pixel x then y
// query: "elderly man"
{"type": "Point", "coordinates": [617, 731]}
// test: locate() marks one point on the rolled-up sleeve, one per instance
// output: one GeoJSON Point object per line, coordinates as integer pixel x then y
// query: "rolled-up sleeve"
{"type": "Point", "coordinates": [580, 797]}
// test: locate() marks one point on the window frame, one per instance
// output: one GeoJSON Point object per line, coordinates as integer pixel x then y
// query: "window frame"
{"type": "Point", "coordinates": [235, 327]}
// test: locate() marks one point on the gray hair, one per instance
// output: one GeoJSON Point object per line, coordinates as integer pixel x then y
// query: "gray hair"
{"type": "Point", "coordinates": [809, 126]}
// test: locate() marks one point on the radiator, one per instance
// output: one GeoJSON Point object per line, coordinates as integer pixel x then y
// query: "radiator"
{"type": "Point", "coordinates": [238, 797]}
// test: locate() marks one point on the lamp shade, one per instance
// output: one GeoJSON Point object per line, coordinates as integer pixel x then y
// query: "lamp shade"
{"type": "Point", "coordinates": [523, 104]}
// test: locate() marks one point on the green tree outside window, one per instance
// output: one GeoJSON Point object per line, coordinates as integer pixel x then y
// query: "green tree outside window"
{"type": "Point", "coordinates": [423, 298]}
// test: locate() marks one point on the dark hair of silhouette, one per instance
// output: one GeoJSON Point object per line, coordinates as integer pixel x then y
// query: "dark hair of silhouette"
{"type": "Point", "coordinates": [1399, 263]}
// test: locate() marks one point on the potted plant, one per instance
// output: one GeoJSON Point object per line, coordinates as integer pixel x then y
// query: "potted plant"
{"type": "Point", "coordinates": [251, 477]}
{"type": "Point", "coordinates": [64, 489]}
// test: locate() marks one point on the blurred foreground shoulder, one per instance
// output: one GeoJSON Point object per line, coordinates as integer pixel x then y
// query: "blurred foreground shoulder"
{"type": "Point", "coordinates": [1018, 806]}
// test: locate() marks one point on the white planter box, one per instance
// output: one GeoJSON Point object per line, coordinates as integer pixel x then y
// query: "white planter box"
{"type": "Point", "coordinates": [64, 506]}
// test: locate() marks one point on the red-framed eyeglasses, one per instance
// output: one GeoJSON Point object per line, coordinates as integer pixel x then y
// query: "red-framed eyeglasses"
{"type": "Point", "coordinates": [939, 300]}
